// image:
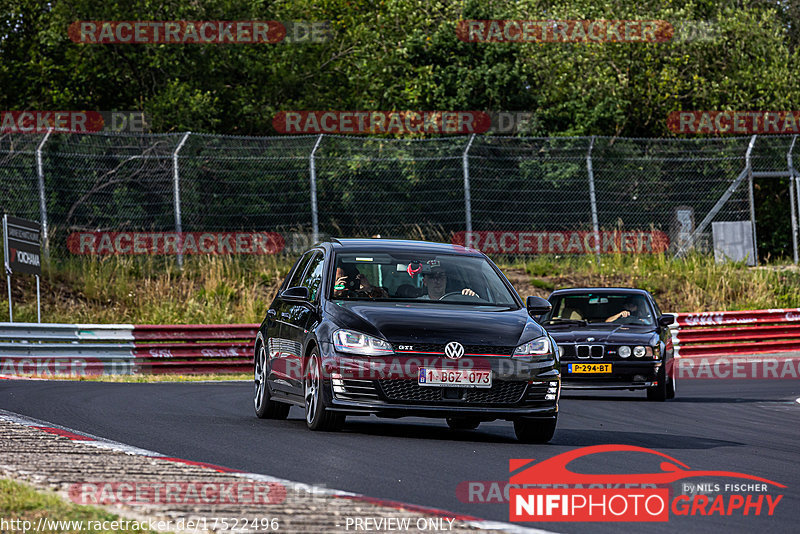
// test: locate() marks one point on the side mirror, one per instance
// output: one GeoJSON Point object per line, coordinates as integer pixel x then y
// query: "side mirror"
{"type": "Point", "coordinates": [537, 305]}
{"type": "Point", "coordinates": [297, 293]}
{"type": "Point", "coordinates": [666, 319]}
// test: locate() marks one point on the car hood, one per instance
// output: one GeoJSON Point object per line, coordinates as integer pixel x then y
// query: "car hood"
{"type": "Point", "coordinates": [614, 334]}
{"type": "Point", "coordinates": [437, 323]}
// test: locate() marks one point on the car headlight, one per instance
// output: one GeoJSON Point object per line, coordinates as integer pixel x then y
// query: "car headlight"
{"type": "Point", "coordinates": [639, 351]}
{"type": "Point", "coordinates": [624, 351]}
{"type": "Point", "coordinates": [358, 343]}
{"type": "Point", "coordinates": [538, 346]}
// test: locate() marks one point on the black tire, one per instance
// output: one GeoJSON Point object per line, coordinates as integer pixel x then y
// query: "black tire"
{"type": "Point", "coordinates": [318, 417]}
{"type": "Point", "coordinates": [535, 430]}
{"type": "Point", "coordinates": [463, 423]}
{"type": "Point", "coordinates": [672, 385]}
{"type": "Point", "coordinates": [658, 393]}
{"type": "Point", "coordinates": [265, 407]}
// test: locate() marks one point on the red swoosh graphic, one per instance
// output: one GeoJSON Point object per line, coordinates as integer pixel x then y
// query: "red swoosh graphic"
{"type": "Point", "coordinates": [554, 470]}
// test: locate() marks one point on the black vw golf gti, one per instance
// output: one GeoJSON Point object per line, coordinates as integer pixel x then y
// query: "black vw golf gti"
{"type": "Point", "coordinates": [406, 328]}
{"type": "Point", "coordinates": [613, 338]}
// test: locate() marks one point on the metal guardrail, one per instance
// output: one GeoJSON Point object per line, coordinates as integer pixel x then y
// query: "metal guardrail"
{"type": "Point", "coordinates": [79, 349]}
{"type": "Point", "coordinates": [76, 349]}
{"type": "Point", "coordinates": [737, 332]}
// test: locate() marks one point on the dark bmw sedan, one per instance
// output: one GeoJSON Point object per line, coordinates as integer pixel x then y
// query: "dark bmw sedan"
{"type": "Point", "coordinates": [613, 338]}
{"type": "Point", "coordinates": [406, 328]}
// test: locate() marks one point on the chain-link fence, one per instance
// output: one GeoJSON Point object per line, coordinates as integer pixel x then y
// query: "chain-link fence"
{"type": "Point", "coordinates": [436, 189]}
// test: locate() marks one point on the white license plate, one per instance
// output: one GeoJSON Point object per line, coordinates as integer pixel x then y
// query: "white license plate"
{"type": "Point", "coordinates": [463, 378]}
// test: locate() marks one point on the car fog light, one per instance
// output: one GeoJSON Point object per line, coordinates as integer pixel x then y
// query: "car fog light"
{"type": "Point", "coordinates": [624, 351]}
{"type": "Point", "coordinates": [338, 385]}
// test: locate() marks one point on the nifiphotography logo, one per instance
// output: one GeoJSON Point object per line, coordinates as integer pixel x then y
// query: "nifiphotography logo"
{"type": "Point", "coordinates": [572, 496]}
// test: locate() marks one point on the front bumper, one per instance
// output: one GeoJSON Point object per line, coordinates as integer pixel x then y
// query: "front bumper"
{"type": "Point", "coordinates": [389, 387]}
{"type": "Point", "coordinates": [624, 375]}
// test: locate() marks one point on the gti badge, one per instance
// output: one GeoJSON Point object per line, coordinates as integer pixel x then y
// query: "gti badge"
{"type": "Point", "coordinates": [454, 350]}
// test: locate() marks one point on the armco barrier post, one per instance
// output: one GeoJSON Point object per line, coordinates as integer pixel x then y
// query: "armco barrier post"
{"type": "Point", "coordinates": [593, 199]}
{"type": "Point", "coordinates": [792, 202]}
{"type": "Point", "coordinates": [751, 196]}
{"type": "Point", "coordinates": [467, 199]}
{"type": "Point", "coordinates": [313, 177]}
{"type": "Point", "coordinates": [42, 199]}
{"type": "Point", "coordinates": [177, 194]}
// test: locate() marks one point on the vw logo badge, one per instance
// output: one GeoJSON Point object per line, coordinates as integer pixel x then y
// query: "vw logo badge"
{"type": "Point", "coordinates": [454, 350]}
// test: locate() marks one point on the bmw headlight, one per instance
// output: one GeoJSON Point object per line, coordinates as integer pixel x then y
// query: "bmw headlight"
{"type": "Point", "coordinates": [537, 347]}
{"type": "Point", "coordinates": [639, 351]}
{"type": "Point", "coordinates": [358, 343]}
{"type": "Point", "coordinates": [624, 351]}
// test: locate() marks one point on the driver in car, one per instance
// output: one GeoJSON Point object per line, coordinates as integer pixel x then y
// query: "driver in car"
{"type": "Point", "coordinates": [435, 281]}
{"type": "Point", "coordinates": [631, 309]}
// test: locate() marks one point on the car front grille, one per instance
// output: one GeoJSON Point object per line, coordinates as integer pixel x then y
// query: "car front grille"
{"type": "Point", "coordinates": [501, 392]}
{"type": "Point", "coordinates": [589, 351]}
{"type": "Point", "coordinates": [438, 348]}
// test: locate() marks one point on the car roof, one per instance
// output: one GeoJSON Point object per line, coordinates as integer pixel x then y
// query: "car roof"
{"type": "Point", "coordinates": [623, 290]}
{"type": "Point", "coordinates": [399, 245]}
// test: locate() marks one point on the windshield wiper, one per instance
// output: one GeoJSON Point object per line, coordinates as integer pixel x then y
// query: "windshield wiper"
{"type": "Point", "coordinates": [559, 320]}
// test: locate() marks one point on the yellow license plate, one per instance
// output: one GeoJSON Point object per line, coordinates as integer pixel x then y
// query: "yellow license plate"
{"type": "Point", "coordinates": [590, 368]}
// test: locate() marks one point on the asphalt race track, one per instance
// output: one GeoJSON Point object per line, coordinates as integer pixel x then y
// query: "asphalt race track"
{"type": "Point", "coordinates": [747, 426]}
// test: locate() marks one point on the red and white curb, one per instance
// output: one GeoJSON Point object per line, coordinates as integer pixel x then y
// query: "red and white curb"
{"type": "Point", "coordinates": [299, 487]}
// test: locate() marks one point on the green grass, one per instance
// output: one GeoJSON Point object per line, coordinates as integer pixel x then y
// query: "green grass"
{"type": "Point", "coordinates": [24, 503]}
{"type": "Point", "coordinates": [223, 289]}
{"type": "Point", "coordinates": [151, 290]}
{"type": "Point", "coordinates": [693, 284]}
{"type": "Point", "coordinates": [154, 378]}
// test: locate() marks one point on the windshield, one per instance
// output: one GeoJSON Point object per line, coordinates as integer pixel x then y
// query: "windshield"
{"type": "Point", "coordinates": [614, 308]}
{"type": "Point", "coordinates": [451, 278]}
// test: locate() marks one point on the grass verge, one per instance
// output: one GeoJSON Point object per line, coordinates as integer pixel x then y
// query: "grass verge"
{"type": "Point", "coordinates": [694, 284]}
{"type": "Point", "coordinates": [224, 289]}
{"type": "Point", "coordinates": [150, 378]}
{"type": "Point", "coordinates": [22, 503]}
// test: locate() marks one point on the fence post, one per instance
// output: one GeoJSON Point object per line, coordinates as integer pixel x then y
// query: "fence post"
{"type": "Point", "coordinates": [176, 188]}
{"type": "Point", "coordinates": [593, 200]}
{"type": "Point", "coordinates": [752, 197]}
{"type": "Point", "coordinates": [313, 171]}
{"type": "Point", "coordinates": [42, 200]}
{"type": "Point", "coordinates": [467, 197]}
{"type": "Point", "coordinates": [792, 188]}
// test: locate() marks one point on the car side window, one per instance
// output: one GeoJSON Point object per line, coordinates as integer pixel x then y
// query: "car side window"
{"type": "Point", "coordinates": [313, 278]}
{"type": "Point", "coordinates": [658, 310]}
{"type": "Point", "coordinates": [300, 267]}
